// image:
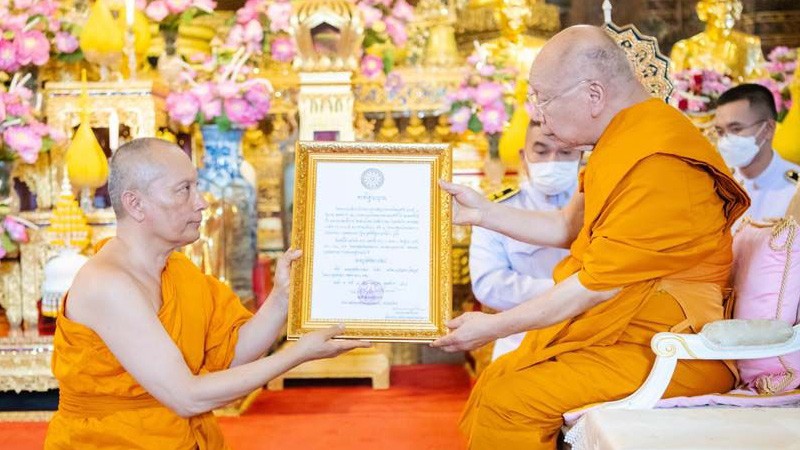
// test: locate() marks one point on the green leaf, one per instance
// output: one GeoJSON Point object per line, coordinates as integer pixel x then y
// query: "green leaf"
{"type": "Point", "coordinates": [6, 242]}
{"type": "Point", "coordinates": [188, 15]}
{"type": "Point", "coordinates": [223, 122]}
{"type": "Point", "coordinates": [475, 124]}
{"type": "Point", "coordinates": [47, 144]}
{"type": "Point", "coordinates": [388, 60]}
{"type": "Point", "coordinates": [74, 57]}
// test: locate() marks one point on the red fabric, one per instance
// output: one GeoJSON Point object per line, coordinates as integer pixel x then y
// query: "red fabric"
{"type": "Point", "coordinates": [418, 412]}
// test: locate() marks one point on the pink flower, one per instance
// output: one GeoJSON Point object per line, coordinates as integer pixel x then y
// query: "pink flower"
{"type": "Point", "coordinates": [486, 70]}
{"type": "Point", "coordinates": [2, 110]}
{"type": "Point", "coordinates": [487, 93]}
{"type": "Point", "coordinates": [283, 49]}
{"type": "Point", "coordinates": [182, 107]}
{"type": "Point", "coordinates": [2, 252]}
{"type": "Point", "coordinates": [403, 11]}
{"type": "Point", "coordinates": [39, 128]}
{"type": "Point", "coordinates": [493, 118]}
{"type": "Point", "coordinates": [394, 82]}
{"type": "Point", "coordinates": [240, 112]}
{"type": "Point", "coordinates": [236, 36]}
{"type": "Point", "coordinates": [8, 57]}
{"type": "Point", "coordinates": [779, 53]}
{"type": "Point", "coordinates": [253, 31]}
{"type": "Point", "coordinates": [23, 4]}
{"type": "Point", "coordinates": [396, 31]}
{"type": "Point", "coordinates": [157, 10]}
{"type": "Point", "coordinates": [16, 23]}
{"type": "Point", "coordinates": [227, 89]}
{"type": "Point", "coordinates": [141, 5]}
{"type": "Point", "coordinates": [211, 110]}
{"type": "Point", "coordinates": [459, 120]}
{"type": "Point", "coordinates": [204, 92]}
{"type": "Point", "coordinates": [66, 43]}
{"type": "Point", "coordinates": [370, 14]}
{"type": "Point", "coordinates": [371, 66]}
{"type": "Point", "coordinates": [177, 6]}
{"type": "Point", "coordinates": [24, 141]}
{"type": "Point", "coordinates": [205, 5]}
{"type": "Point", "coordinates": [16, 230]}
{"type": "Point", "coordinates": [258, 96]}
{"type": "Point", "coordinates": [32, 48]}
{"type": "Point", "coordinates": [247, 13]}
{"type": "Point", "coordinates": [279, 14]}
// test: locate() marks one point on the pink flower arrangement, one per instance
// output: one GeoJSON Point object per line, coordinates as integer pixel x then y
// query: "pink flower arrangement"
{"type": "Point", "coordinates": [484, 101]}
{"type": "Point", "coordinates": [780, 65]}
{"type": "Point", "coordinates": [171, 13]}
{"type": "Point", "coordinates": [251, 21]}
{"type": "Point", "coordinates": [34, 30]}
{"type": "Point", "coordinates": [697, 90]}
{"type": "Point", "coordinates": [222, 95]}
{"type": "Point", "coordinates": [22, 134]}
{"type": "Point", "coordinates": [386, 29]}
{"type": "Point", "coordinates": [13, 231]}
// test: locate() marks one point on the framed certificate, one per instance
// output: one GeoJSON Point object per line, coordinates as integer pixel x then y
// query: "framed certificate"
{"type": "Point", "coordinates": [375, 230]}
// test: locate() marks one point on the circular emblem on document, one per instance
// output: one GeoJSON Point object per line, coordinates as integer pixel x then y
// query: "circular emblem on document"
{"type": "Point", "coordinates": [370, 292]}
{"type": "Point", "coordinates": [372, 179]}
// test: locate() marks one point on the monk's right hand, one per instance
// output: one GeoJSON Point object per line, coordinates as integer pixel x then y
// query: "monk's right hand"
{"type": "Point", "coordinates": [321, 344]}
{"type": "Point", "coordinates": [470, 206]}
{"type": "Point", "coordinates": [282, 271]}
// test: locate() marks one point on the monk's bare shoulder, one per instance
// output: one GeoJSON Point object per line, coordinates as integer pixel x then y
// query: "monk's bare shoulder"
{"type": "Point", "coordinates": [99, 289]}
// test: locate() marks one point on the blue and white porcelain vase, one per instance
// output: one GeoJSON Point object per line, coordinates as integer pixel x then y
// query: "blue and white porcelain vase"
{"type": "Point", "coordinates": [222, 178]}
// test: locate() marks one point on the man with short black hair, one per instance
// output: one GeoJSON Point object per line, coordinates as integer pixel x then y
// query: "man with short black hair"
{"type": "Point", "coordinates": [745, 123]}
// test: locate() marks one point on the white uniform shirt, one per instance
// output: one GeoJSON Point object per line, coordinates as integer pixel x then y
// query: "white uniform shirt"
{"type": "Point", "coordinates": [506, 272]}
{"type": "Point", "coordinates": [770, 192]}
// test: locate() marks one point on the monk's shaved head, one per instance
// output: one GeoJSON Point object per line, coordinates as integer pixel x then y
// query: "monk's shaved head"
{"type": "Point", "coordinates": [582, 52]}
{"type": "Point", "coordinates": [134, 166]}
{"type": "Point", "coordinates": [579, 81]}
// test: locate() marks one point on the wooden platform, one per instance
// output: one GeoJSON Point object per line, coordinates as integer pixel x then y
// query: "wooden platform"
{"type": "Point", "coordinates": [372, 363]}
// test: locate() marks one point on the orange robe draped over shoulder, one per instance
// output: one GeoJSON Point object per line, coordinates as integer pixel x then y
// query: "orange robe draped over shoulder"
{"type": "Point", "coordinates": [101, 406]}
{"type": "Point", "coordinates": [659, 204]}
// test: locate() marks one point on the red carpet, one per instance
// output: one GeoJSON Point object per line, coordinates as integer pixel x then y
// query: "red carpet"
{"type": "Point", "coordinates": [420, 412]}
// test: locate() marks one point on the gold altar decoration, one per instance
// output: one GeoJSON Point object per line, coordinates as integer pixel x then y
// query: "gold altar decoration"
{"type": "Point", "coordinates": [514, 46]}
{"type": "Point", "coordinates": [138, 105]}
{"type": "Point", "coordinates": [650, 66]}
{"type": "Point", "coordinates": [719, 47]}
{"type": "Point", "coordinates": [477, 21]}
{"type": "Point", "coordinates": [68, 224]}
{"type": "Point", "coordinates": [87, 165]}
{"type": "Point", "coordinates": [101, 40]}
{"type": "Point", "coordinates": [438, 20]}
{"type": "Point", "coordinates": [307, 157]}
{"type": "Point", "coordinates": [328, 35]}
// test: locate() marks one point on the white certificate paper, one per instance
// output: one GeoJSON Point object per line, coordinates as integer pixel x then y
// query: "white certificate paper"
{"type": "Point", "coordinates": [372, 248]}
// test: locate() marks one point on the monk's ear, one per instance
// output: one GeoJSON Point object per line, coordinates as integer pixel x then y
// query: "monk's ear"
{"type": "Point", "coordinates": [597, 98]}
{"type": "Point", "coordinates": [132, 203]}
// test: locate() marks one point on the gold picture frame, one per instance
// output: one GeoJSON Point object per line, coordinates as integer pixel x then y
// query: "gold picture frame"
{"type": "Point", "coordinates": [372, 249]}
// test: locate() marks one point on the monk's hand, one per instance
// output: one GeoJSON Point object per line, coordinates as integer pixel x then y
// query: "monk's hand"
{"type": "Point", "coordinates": [469, 206]}
{"type": "Point", "coordinates": [468, 332]}
{"type": "Point", "coordinates": [322, 344]}
{"type": "Point", "coordinates": [281, 286]}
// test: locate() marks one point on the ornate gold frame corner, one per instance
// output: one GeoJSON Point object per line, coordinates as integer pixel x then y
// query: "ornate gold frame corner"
{"type": "Point", "coordinates": [439, 156]}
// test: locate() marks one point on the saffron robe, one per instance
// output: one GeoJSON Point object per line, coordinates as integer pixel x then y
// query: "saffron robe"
{"type": "Point", "coordinates": [659, 205]}
{"type": "Point", "coordinates": [101, 406]}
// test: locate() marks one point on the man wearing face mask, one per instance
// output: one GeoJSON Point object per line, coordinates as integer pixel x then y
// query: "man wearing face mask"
{"type": "Point", "coordinates": [745, 123]}
{"type": "Point", "coordinates": [506, 272]}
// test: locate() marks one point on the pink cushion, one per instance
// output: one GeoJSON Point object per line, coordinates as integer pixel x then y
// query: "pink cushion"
{"type": "Point", "coordinates": [760, 268]}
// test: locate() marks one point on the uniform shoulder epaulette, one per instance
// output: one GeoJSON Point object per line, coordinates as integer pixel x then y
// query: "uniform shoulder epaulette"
{"type": "Point", "coordinates": [503, 194]}
{"type": "Point", "coordinates": [793, 176]}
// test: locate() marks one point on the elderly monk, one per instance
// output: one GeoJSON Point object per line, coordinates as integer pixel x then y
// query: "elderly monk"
{"type": "Point", "coordinates": [146, 345]}
{"type": "Point", "coordinates": [650, 251]}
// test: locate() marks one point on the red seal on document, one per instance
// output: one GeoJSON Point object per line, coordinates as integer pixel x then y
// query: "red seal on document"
{"type": "Point", "coordinates": [370, 292]}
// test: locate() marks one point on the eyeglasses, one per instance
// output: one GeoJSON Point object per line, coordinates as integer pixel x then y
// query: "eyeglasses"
{"type": "Point", "coordinates": [736, 128]}
{"type": "Point", "coordinates": [539, 105]}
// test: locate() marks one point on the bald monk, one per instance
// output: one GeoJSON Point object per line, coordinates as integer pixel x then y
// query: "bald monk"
{"type": "Point", "coordinates": [146, 345]}
{"type": "Point", "coordinates": [650, 251]}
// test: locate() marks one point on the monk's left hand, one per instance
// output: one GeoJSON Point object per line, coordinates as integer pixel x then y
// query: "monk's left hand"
{"type": "Point", "coordinates": [281, 285]}
{"type": "Point", "coordinates": [468, 332]}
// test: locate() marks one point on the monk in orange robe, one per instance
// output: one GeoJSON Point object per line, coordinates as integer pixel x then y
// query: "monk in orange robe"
{"type": "Point", "coordinates": [650, 251]}
{"type": "Point", "coordinates": [146, 345]}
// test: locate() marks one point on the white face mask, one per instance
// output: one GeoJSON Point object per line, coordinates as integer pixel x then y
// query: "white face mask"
{"type": "Point", "coordinates": [553, 177]}
{"type": "Point", "coordinates": [738, 151]}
